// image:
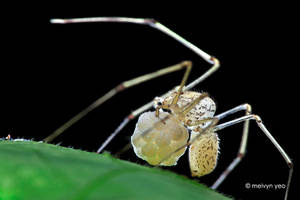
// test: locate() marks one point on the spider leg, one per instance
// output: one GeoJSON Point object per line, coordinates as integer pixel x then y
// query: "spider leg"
{"type": "Point", "coordinates": [243, 143]}
{"type": "Point", "coordinates": [182, 84]}
{"type": "Point", "coordinates": [242, 148]}
{"type": "Point", "coordinates": [124, 85]}
{"type": "Point", "coordinates": [156, 25]}
{"type": "Point", "coordinates": [183, 81]}
{"type": "Point", "coordinates": [160, 27]}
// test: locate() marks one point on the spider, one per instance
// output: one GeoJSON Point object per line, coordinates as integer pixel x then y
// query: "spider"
{"type": "Point", "coordinates": [182, 118]}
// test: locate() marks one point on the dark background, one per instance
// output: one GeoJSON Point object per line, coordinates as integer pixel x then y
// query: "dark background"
{"type": "Point", "coordinates": [51, 72]}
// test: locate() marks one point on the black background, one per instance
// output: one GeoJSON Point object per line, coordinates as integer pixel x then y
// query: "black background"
{"type": "Point", "coordinates": [51, 72]}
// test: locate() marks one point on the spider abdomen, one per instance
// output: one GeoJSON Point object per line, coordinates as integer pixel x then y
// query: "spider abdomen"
{"type": "Point", "coordinates": [203, 153]}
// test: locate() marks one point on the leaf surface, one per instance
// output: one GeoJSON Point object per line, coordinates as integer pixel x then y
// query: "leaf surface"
{"type": "Point", "coordinates": [35, 170]}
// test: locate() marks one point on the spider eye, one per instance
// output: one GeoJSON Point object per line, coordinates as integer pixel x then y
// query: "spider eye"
{"type": "Point", "coordinates": [159, 103]}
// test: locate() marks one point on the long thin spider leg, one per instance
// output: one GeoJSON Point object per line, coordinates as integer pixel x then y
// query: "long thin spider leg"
{"type": "Point", "coordinates": [214, 67]}
{"type": "Point", "coordinates": [242, 149]}
{"type": "Point", "coordinates": [145, 21]}
{"type": "Point", "coordinates": [244, 107]}
{"type": "Point", "coordinates": [243, 144]}
{"type": "Point", "coordinates": [183, 81]}
{"type": "Point", "coordinates": [120, 127]}
{"type": "Point", "coordinates": [124, 85]}
{"type": "Point", "coordinates": [154, 24]}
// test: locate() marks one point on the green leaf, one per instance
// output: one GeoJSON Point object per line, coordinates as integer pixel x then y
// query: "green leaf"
{"type": "Point", "coordinates": [35, 170]}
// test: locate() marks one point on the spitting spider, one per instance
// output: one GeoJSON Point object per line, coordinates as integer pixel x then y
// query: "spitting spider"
{"type": "Point", "coordinates": [182, 118]}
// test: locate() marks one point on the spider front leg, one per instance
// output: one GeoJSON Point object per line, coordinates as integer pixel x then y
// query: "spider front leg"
{"type": "Point", "coordinates": [242, 148]}
{"type": "Point", "coordinates": [156, 25]}
{"type": "Point", "coordinates": [122, 86]}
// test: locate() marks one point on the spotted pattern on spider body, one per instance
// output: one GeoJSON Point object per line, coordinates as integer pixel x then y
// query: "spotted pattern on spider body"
{"type": "Point", "coordinates": [204, 109]}
{"type": "Point", "coordinates": [203, 153]}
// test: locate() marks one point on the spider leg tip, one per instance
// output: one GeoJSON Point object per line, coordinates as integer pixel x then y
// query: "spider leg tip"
{"type": "Point", "coordinates": [57, 21]}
